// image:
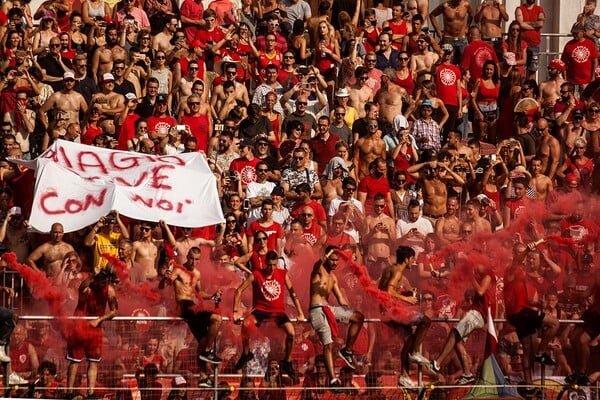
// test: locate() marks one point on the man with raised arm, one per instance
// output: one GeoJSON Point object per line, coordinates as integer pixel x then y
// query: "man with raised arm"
{"type": "Point", "coordinates": [324, 317]}
{"type": "Point", "coordinates": [391, 282]}
{"type": "Point", "coordinates": [268, 302]}
{"type": "Point", "coordinates": [204, 325]}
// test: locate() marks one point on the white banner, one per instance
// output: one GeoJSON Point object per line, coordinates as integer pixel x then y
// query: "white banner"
{"type": "Point", "coordinates": [77, 184]}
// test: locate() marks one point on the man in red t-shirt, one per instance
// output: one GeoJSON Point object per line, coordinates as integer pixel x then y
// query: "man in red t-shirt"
{"type": "Point", "coordinates": [245, 166]}
{"type": "Point", "coordinates": [312, 231]}
{"type": "Point", "coordinates": [477, 53]}
{"type": "Point", "coordinates": [304, 200]}
{"type": "Point", "coordinates": [272, 229]}
{"type": "Point", "coordinates": [374, 183]}
{"type": "Point", "coordinates": [268, 303]}
{"type": "Point", "coordinates": [580, 56]}
{"type": "Point", "coordinates": [447, 82]}
{"type": "Point", "coordinates": [531, 17]}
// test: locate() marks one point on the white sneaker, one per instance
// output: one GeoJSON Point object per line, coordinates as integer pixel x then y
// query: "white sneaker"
{"type": "Point", "coordinates": [418, 358]}
{"type": "Point", "coordinates": [3, 356]}
{"type": "Point", "coordinates": [406, 382]}
{"type": "Point", "coordinates": [15, 379]}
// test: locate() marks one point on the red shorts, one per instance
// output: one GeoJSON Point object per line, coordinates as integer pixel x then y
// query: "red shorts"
{"type": "Point", "coordinates": [84, 342]}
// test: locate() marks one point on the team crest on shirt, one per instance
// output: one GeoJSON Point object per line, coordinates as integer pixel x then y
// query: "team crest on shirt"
{"type": "Point", "coordinates": [310, 238]}
{"type": "Point", "coordinates": [581, 54]}
{"type": "Point", "coordinates": [271, 290]}
{"type": "Point", "coordinates": [448, 77]}
{"type": "Point", "coordinates": [482, 55]}
{"type": "Point", "coordinates": [248, 174]}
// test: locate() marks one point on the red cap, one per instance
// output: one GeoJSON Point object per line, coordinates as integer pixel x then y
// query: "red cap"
{"type": "Point", "coordinates": [558, 64]}
{"type": "Point", "coordinates": [196, 43]}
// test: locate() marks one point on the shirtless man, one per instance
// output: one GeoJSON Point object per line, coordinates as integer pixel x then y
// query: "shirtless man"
{"type": "Point", "coordinates": [204, 325]}
{"type": "Point", "coordinates": [368, 148]}
{"type": "Point", "coordinates": [390, 97]}
{"type": "Point", "coordinates": [145, 254]}
{"type": "Point", "coordinates": [52, 252]}
{"type": "Point", "coordinates": [186, 241]}
{"type": "Point", "coordinates": [447, 228]}
{"type": "Point", "coordinates": [162, 41]}
{"type": "Point", "coordinates": [540, 182]}
{"type": "Point", "coordinates": [322, 283]}
{"type": "Point", "coordinates": [14, 235]}
{"type": "Point", "coordinates": [420, 7]}
{"type": "Point", "coordinates": [102, 60]}
{"type": "Point", "coordinates": [457, 16]}
{"type": "Point", "coordinates": [422, 62]}
{"type": "Point", "coordinates": [111, 103]}
{"type": "Point", "coordinates": [360, 92]}
{"type": "Point", "coordinates": [550, 88]}
{"type": "Point", "coordinates": [185, 86]}
{"type": "Point", "coordinates": [489, 16]}
{"type": "Point", "coordinates": [391, 283]}
{"type": "Point", "coordinates": [380, 236]}
{"type": "Point", "coordinates": [472, 215]}
{"type": "Point", "coordinates": [434, 186]}
{"type": "Point", "coordinates": [219, 96]}
{"type": "Point", "coordinates": [456, 148]}
{"type": "Point", "coordinates": [67, 101]}
{"type": "Point", "coordinates": [125, 250]}
{"type": "Point", "coordinates": [548, 149]}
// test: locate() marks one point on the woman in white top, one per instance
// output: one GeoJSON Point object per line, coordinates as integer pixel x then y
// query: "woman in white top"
{"type": "Point", "coordinates": [94, 9]}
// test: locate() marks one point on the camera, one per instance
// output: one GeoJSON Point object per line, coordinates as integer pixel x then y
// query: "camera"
{"type": "Point", "coordinates": [15, 210]}
{"type": "Point", "coordinates": [233, 175]}
{"type": "Point", "coordinates": [219, 127]}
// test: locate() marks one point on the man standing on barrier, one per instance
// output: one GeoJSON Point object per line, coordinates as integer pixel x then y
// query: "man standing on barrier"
{"type": "Point", "coordinates": [324, 318]}
{"type": "Point", "coordinates": [204, 325]}
{"type": "Point", "coordinates": [85, 338]}
{"type": "Point", "coordinates": [391, 282]}
{"type": "Point", "coordinates": [268, 301]}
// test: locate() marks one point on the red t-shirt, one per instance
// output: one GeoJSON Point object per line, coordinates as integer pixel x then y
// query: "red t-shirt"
{"type": "Point", "coordinates": [199, 128]}
{"type": "Point", "coordinates": [90, 134]}
{"type": "Point", "coordinates": [155, 123]}
{"type": "Point", "coordinates": [447, 78]}
{"type": "Point", "coordinates": [318, 209]}
{"type": "Point", "coordinates": [475, 55]}
{"type": "Point", "coordinates": [213, 36]}
{"type": "Point", "coordinates": [313, 233]}
{"type": "Point", "coordinates": [531, 37]}
{"type": "Point", "coordinates": [246, 169]}
{"type": "Point", "coordinates": [273, 231]}
{"type": "Point", "coordinates": [192, 10]}
{"type": "Point", "coordinates": [127, 131]}
{"type": "Point", "coordinates": [371, 187]}
{"type": "Point", "coordinates": [517, 291]}
{"type": "Point", "coordinates": [268, 294]}
{"type": "Point", "coordinates": [323, 150]}
{"type": "Point", "coordinates": [579, 57]}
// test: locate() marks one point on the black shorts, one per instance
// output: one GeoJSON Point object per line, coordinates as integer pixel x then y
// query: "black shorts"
{"type": "Point", "coordinates": [526, 322]}
{"type": "Point", "coordinates": [261, 316]}
{"type": "Point", "coordinates": [198, 321]}
{"type": "Point", "coordinates": [591, 322]}
{"type": "Point", "coordinates": [399, 326]}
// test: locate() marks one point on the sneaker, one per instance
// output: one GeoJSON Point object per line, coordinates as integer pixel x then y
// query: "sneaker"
{"type": "Point", "coordinates": [335, 385]}
{"type": "Point", "coordinates": [205, 383]}
{"type": "Point", "coordinates": [288, 368]}
{"type": "Point", "coordinates": [545, 359]}
{"type": "Point", "coordinates": [210, 357]}
{"type": "Point", "coordinates": [405, 381]}
{"type": "Point", "coordinates": [3, 356]}
{"type": "Point", "coordinates": [15, 379]}
{"type": "Point", "coordinates": [418, 358]}
{"type": "Point", "coordinates": [348, 357]}
{"type": "Point", "coordinates": [465, 380]}
{"type": "Point", "coordinates": [243, 360]}
{"type": "Point", "coordinates": [433, 365]}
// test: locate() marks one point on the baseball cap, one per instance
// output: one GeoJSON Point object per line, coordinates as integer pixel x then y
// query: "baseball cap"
{"type": "Point", "coordinates": [427, 103]}
{"type": "Point", "coordinates": [245, 142]}
{"type": "Point", "coordinates": [195, 43]}
{"type": "Point", "coordinates": [131, 96]}
{"type": "Point", "coordinates": [558, 64]}
{"type": "Point", "coordinates": [578, 114]}
{"type": "Point", "coordinates": [447, 48]}
{"type": "Point", "coordinates": [108, 77]}
{"type": "Point", "coordinates": [261, 139]}
{"type": "Point", "coordinates": [277, 191]}
{"type": "Point", "coordinates": [161, 98]}
{"type": "Point", "coordinates": [68, 75]}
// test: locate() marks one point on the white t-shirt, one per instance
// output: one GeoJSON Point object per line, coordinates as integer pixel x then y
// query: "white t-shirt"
{"type": "Point", "coordinates": [255, 189]}
{"type": "Point", "coordinates": [422, 225]}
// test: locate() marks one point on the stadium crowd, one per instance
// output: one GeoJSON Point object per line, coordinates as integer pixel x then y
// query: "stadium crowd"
{"type": "Point", "coordinates": [415, 141]}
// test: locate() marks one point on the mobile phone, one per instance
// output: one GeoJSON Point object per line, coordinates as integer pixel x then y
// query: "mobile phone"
{"type": "Point", "coordinates": [246, 204]}
{"type": "Point", "coordinates": [306, 86]}
{"type": "Point", "coordinates": [181, 127]}
{"type": "Point", "coordinates": [219, 127]}
{"type": "Point", "coordinates": [493, 157]}
{"type": "Point", "coordinates": [462, 156]}
{"type": "Point", "coordinates": [15, 210]}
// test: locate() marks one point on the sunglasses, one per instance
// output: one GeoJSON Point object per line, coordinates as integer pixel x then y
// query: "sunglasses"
{"type": "Point", "coordinates": [145, 229]}
{"type": "Point", "coordinates": [54, 45]}
{"type": "Point", "coordinates": [301, 103]}
{"type": "Point", "coordinates": [161, 58]}
{"type": "Point", "coordinates": [262, 170]}
{"type": "Point", "coordinates": [403, 58]}
{"type": "Point", "coordinates": [298, 158]}
{"type": "Point", "coordinates": [261, 239]}
{"type": "Point", "coordinates": [231, 221]}
{"type": "Point", "coordinates": [340, 114]}
{"type": "Point", "coordinates": [379, 206]}
{"type": "Point", "coordinates": [306, 215]}
{"type": "Point", "coordinates": [350, 189]}
{"type": "Point", "coordinates": [427, 298]}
